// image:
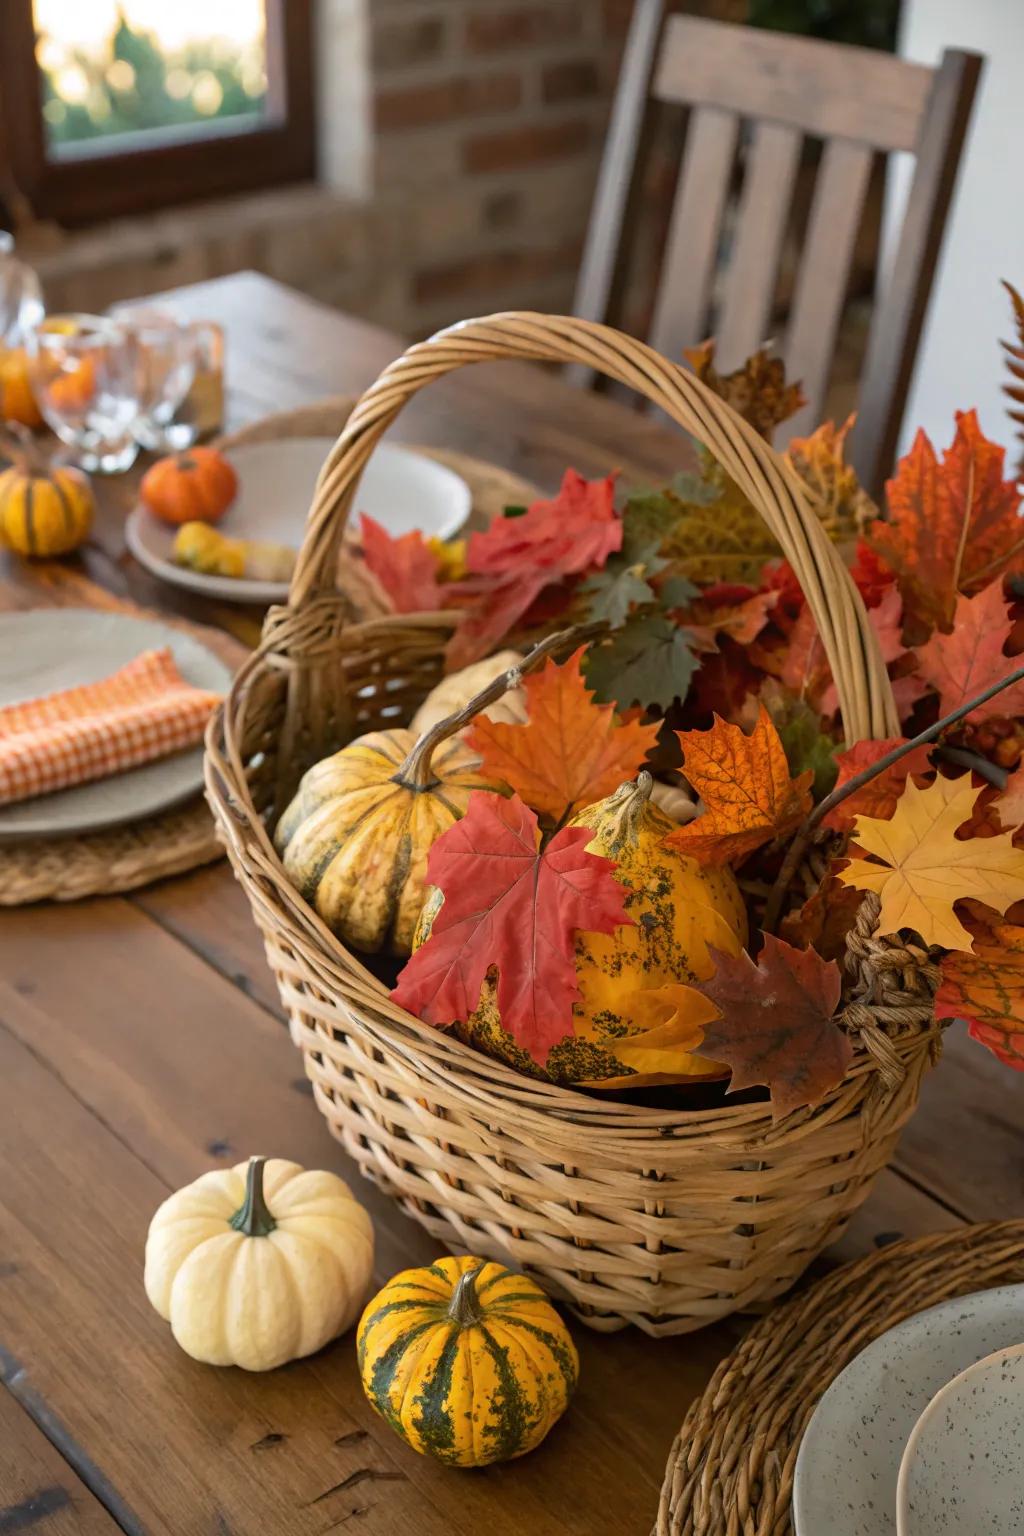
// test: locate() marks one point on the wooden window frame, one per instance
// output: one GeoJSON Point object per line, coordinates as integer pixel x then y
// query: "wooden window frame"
{"type": "Point", "coordinates": [86, 188]}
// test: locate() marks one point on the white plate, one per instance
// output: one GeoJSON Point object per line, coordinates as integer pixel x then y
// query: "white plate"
{"type": "Point", "coordinates": [401, 489]}
{"type": "Point", "coordinates": [962, 1473]}
{"type": "Point", "coordinates": [848, 1465]}
{"type": "Point", "coordinates": [54, 648]}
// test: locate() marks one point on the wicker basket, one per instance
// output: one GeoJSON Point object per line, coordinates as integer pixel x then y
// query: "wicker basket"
{"type": "Point", "coordinates": [665, 1219]}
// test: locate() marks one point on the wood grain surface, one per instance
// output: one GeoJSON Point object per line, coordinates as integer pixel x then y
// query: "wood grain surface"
{"type": "Point", "coordinates": [141, 1042]}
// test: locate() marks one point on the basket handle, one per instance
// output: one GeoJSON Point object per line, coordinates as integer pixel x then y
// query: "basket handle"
{"type": "Point", "coordinates": [764, 477]}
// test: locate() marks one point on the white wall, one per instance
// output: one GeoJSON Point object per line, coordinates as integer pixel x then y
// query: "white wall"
{"type": "Point", "coordinates": [960, 360]}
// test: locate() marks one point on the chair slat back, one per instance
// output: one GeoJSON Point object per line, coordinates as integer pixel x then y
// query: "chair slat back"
{"type": "Point", "coordinates": [761, 94]}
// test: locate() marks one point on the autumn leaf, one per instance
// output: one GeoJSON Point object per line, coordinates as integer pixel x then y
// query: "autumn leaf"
{"type": "Point", "coordinates": [839, 499]}
{"type": "Point", "coordinates": [986, 987]}
{"type": "Point", "coordinates": [496, 607]}
{"type": "Point", "coordinates": [748, 794]}
{"type": "Point", "coordinates": [624, 583]}
{"type": "Point", "coordinates": [953, 526]}
{"type": "Point", "coordinates": [925, 868]}
{"type": "Point", "coordinates": [511, 905]}
{"type": "Point", "coordinates": [742, 619]}
{"type": "Point", "coordinates": [806, 745]}
{"type": "Point", "coordinates": [406, 568]}
{"type": "Point", "coordinates": [758, 390]}
{"type": "Point", "coordinates": [570, 752]}
{"type": "Point", "coordinates": [776, 1027]}
{"type": "Point", "coordinates": [566, 536]}
{"type": "Point", "coordinates": [879, 796]}
{"type": "Point", "coordinates": [1010, 803]}
{"type": "Point", "coordinates": [648, 661]}
{"type": "Point", "coordinates": [964, 663]}
{"type": "Point", "coordinates": [805, 667]}
{"type": "Point", "coordinates": [824, 921]}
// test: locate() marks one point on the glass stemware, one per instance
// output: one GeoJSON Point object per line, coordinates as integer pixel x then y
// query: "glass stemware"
{"type": "Point", "coordinates": [85, 376]}
{"type": "Point", "coordinates": [165, 356]}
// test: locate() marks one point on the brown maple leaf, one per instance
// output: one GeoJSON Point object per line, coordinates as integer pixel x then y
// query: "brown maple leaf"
{"type": "Point", "coordinates": [841, 502]}
{"type": "Point", "coordinates": [777, 1028]}
{"type": "Point", "coordinates": [757, 390]}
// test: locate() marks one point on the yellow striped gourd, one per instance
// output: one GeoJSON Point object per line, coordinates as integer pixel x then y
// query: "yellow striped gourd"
{"type": "Point", "coordinates": [44, 511]}
{"type": "Point", "coordinates": [466, 1360]}
{"type": "Point", "coordinates": [356, 837]}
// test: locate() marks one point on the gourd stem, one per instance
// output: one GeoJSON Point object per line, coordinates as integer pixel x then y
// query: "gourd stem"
{"type": "Point", "coordinates": [417, 771]}
{"type": "Point", "coordinates": [465, 1308]}
{"type": "Point", "coordinates": [253, 1218]}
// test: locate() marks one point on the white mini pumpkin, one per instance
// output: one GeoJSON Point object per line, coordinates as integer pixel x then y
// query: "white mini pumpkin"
{"type": "Point", "coordinates": [456, 690]}
{"type": "Point", "coordinates": [258, 1264]}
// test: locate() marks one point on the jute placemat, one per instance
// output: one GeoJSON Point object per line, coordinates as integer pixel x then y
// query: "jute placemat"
{"type": "Point", "coordinates": [730, 1471]}
{"type": "Point", "coordinates": [104, 863]}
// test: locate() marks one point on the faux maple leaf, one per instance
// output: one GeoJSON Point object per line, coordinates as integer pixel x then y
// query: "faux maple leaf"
{"type": "Point", "coordinates": [825, 919]}
{"type": "Point", "coordinates": [964, 663]}
{"type": "Point", "coordinates": [570, 752]}
{"type": "Point", "coordinates": [925, 867]}
{"type": "Point", "coordinates": [757, 390]}
{"type": "Point", "coordinates": [497, 606]}
{"type": "Point", "coordinates": [805, 667]}
{"type": "Point", "coordinates": [406, 568]}
{"type": "Point", "coordinates": [745, 784]}
{"type": "Point", "coordinates": [880, 795]}
{"type": "Point", "coordinates": [777, 1028]}
{"type": "Point", "coordinates": [742, 619]}
{"type": "Point", "coordinates": [649, 660]}
{"type": "Point", "coordinates": [841, 502]}
{"type": "Point", "coordinates": [510, 905]}
{"type": "Point", "coordinates": [953, 525]}
{"type": "Point", "coordinates": [986, 987]}
{"type": "Point", "coordinates": [623, 583]}
{"type": "Point", "coordinates": [566, 536]}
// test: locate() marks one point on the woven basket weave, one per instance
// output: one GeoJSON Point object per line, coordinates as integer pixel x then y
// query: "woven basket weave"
{"type": "Point", "coordinates": [665, 1219]}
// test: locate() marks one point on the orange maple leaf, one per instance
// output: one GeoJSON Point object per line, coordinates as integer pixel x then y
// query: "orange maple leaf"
{"type": "Point", "coordinates": [745, 784]}
{"type": "Point", "coordinates": [840, 500]}
{"type": "Point", "coordinates": [970, 659]}
{"type": "Point", "coordinates": [986, 986]}
{"type": "Point", "coordinates": [953, 526]}
{"type": "Point", "coordinates": [570, 752]}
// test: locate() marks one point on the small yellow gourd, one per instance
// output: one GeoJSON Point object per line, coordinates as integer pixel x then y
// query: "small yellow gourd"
{"type": "Point", "coordinates": [259, 1264]}
{"type": "Point", "coordinates": [204, 549]}
{"type": "Point", "coordinates": [456, 690]}
{"type": "Point", "coordinates": [625, 1034]}
{"type": "Point", "coordinates": [356, 837]}
{"type": "Point", "coordinates": [45, 509]}
{"type": "Point", "coordinates": [467, 1361]}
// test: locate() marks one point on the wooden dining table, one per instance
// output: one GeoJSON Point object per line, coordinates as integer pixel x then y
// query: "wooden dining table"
{"type": "Point", "coordinates": [142, 1042]}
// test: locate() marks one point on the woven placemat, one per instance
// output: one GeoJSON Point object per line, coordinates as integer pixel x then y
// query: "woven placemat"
{"type": "Point", "coordinates": [104, 863]}
{"type": "Point", "coordinates": [730, 1471]}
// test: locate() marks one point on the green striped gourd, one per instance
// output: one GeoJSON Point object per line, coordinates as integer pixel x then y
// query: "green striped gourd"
{"type": "Point", "coordinates": [468, 1361]}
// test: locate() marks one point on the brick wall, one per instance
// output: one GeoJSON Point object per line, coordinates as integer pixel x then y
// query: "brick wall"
{"type": "Point", "coordinates": [481, 124]}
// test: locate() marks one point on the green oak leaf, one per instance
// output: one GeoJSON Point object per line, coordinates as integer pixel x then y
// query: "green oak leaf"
{"type": "Point", "coordinates": [647, 661]}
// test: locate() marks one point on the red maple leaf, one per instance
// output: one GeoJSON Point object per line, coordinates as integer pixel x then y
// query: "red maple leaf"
{"type": "Point", "coordinates": [964, 663]}
{"type": "Point", "coordinates": [953, 525]}
{"type": "Point", "coordinates": [805, 669]}
{"type": "Point", "coordinates": [777, 1028]}
{"type": "Point", "coordinates": [880, 795]}
{"type": "Point", "coordinates": [514, 906]}
{"type": "Point", "coordinates": [406, 568]}
{"type": "Point", "coordinates": [572, 533]}
{"type": "Point", "coordinates": [985, 985]}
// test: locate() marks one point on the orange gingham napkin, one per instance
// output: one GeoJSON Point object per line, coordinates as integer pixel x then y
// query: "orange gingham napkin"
{"type": "Point", "coordinates": [143, 711]}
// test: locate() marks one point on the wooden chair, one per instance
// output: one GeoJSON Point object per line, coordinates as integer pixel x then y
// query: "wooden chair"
{"type": "Point", "coordinates": [859, 102]}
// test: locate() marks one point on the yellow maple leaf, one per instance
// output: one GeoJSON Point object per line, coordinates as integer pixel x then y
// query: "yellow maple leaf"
{"type": "Point", "coordinates": [925, 868]}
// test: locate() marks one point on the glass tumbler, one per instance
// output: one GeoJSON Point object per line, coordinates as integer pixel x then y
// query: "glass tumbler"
{"type": "Point", "coordinates": [165, 357]}
{"type": "Point", "coordinates": [85, 379]}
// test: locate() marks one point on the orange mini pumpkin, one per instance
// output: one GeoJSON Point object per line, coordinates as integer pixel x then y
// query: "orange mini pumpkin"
{"type": "Point", "coordinates": [17, 402]}
{"type": "Point", "coordinates": [196, 486]}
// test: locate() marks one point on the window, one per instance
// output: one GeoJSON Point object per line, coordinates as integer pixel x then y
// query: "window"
{"type": "Point", "coordinates": [115, 106]}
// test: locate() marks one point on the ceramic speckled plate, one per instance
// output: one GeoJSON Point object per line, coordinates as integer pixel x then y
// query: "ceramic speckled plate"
{"type": "Point", "coordinates": [53, 648]}
{"type": "Point", "coordinates": [848, 1466]}
{"type": "Point", "coordinates": [962, 1473]}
